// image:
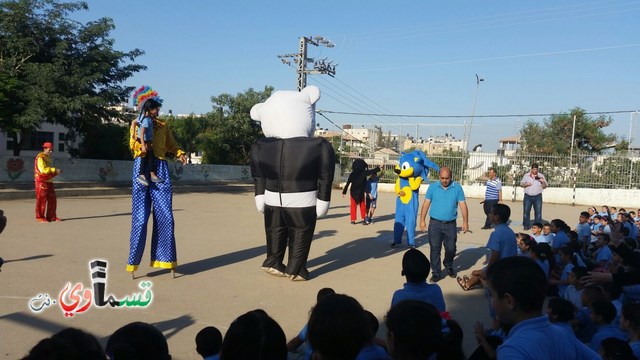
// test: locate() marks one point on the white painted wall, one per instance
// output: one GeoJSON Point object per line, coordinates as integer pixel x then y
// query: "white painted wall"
{"type": "Point", "coordinates": [590, 197]}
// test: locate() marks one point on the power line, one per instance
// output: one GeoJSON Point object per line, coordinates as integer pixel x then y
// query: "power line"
{"type": "Point", "coordinates": [320, 111]}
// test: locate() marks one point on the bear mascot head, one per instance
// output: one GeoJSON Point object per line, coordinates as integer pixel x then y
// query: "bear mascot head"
{"type": "Point", "coordinates": [288, 114]}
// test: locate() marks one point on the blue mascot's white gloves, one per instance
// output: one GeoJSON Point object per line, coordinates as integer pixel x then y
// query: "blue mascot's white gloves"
{"type": "Point", "coordinates": [322, 208]}
{"type": "Point", "coordinates": [260, 203]}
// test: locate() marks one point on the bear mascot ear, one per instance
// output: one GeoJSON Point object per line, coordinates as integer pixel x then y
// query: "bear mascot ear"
{"type": "Point", "coordinates": [313, 92]}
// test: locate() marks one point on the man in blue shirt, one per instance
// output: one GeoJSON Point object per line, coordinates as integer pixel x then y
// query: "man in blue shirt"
{"type": "Point", "coordinates": [446, 196]}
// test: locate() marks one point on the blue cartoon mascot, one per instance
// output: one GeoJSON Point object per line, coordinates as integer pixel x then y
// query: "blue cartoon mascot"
{"type": "Point", "coordinates": [412, 170]}
{"type": "Point", "coordinates": [293, 173]}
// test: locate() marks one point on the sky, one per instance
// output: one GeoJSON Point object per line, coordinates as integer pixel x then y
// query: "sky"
{"type": "Point", "coordinates": [396, 58]}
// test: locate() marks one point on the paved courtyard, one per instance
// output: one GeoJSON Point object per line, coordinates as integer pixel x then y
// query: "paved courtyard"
{"type": "Point", "coordinates": [220, 239]}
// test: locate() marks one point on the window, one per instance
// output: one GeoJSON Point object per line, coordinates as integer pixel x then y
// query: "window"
{"type": "Point", "coordinates": [33, 142]}
{"type": "Point", "coordinates": [37, 138]}
{"type": "Point", "coordinates": [61, 137]}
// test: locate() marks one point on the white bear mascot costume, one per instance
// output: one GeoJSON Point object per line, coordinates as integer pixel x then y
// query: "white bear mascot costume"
{"type": "Point", "coordinates": [293, 173]}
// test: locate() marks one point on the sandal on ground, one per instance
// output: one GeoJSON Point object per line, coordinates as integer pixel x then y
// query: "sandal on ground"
{"type": "Point", "coordinates": [462, 281]}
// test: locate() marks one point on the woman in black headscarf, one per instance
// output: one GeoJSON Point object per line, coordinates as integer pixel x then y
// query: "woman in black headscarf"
{"type": "Point", "coordinates": [358, 181]}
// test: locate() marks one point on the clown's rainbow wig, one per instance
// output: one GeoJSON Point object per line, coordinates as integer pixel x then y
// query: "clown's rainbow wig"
{"type": "Point", "coordinates": [143, 94]}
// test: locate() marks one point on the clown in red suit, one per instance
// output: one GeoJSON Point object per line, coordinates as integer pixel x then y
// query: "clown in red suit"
{"type": "Point", "coordinates": [45, 191]}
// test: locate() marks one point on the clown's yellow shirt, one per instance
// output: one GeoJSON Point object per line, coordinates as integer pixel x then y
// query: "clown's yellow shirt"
{"type": "Point", "coordinates": [163, 141]}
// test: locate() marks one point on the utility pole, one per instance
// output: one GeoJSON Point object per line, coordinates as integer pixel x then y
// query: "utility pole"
{"type": "Point", "coordinates": [467, 132]}
{"type": "Point", "coordinates": [321, 66]}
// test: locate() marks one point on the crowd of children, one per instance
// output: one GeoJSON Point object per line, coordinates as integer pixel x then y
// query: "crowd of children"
{"type": "Point", "coordinates": [556, 293]}
{"type": "Point", "coordinates": [591, 276]}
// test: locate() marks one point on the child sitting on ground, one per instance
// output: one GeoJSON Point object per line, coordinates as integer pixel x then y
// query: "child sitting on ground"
{"type": "Point", "coordinates": [373, 350]}
{"type": "Point", "coordinates": [301, 338]}
{"type": "Point", "coordinates": [573, 293]}
{"type": "Point", "coordinates": [602, 313]}
{"type": "Point", "coordinates": [567, 262]}
{"type": "Point", "coordinates": [561, 312]}
{"type": "Point", "coordinates": [630, 322]}
{"type": "Point", "coordinates": [546, 232]}
{"type": "Point", "coordinates": [616, 349]}
{"type": "Point", "coordinates": [543, 256]}
{"type": "Point", "coordinates": [582, 323]}
{"type": "Point", "coordinates": [415, 268]}
{"type": "Point", "coordinates": [208, 343]}
{"type": "Point", "coordinates": [502, 243]}
{"type": "Point", "coordinates": [602, 253]}
{"type": "Point", "coordinates": [536, 233]}
{"type": "Point", "coordinates": [518, 288]}
{"type": "Point", "coordinates": [525, 242]}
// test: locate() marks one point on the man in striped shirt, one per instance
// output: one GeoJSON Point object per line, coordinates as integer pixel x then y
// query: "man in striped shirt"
{"type": "Point", "coordinates": [492, 196]}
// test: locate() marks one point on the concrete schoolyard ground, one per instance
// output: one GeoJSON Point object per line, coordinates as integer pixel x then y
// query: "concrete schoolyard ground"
{"type": "Point", "coordinates": [220, 240]}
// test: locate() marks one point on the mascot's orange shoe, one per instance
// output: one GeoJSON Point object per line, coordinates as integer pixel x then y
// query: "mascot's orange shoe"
{"type": "Point", "coordinates": [40, 220]}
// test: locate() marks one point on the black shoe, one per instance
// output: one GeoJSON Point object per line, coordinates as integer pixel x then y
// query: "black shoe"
{"type": "Point", "coordinates": [435, 278]}
{"type": "Point", "coordinates": [353, 222]}
{"type": "Point", "coordinates": [451, 273]}
{"type": "Point", "coordinates": [394, 245]}
{"type": "Point", "coordinates": [526, 228]}
{"type": "Point", "coordinates": [485, 227]}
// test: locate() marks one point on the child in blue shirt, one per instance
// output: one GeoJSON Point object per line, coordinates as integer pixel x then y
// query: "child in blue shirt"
{"type": "Point", "coordinates": [543, 256]}
{"type": "Point", "coordinates": [415, 268]}
{"type": "Point", "coordinates": [301, 338]}
{"type": "Point", "coordinates": [602, 254]}
{"type": "Point", "coordinates": [502, 243]}
{"type": "Point", "coordinates": [567, 262]}
{"type": "Point", "coordinates": [208, 343]}
{"type": "Point", "coordinates": [144, 135]}
{"type": "Point", "coordinates": [584, 231]}
{"type": "Point", "coordinates": [560, 313]}
{"type": "Point", "coordinates": [371, 194]}
{"type": "Point", "coordinates": [630, 322]}
{"type": "Point", "coordinates": [373, 351]}
{"type": "Point", "coordinates": [602, 313]}
{"type": "Point", "coordinates": [518, 289]}
{"type": "Point", "coordinates": [582, 323]}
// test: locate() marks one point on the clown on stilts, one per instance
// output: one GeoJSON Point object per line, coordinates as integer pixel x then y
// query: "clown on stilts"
{"type": "Point", "coordinates": [156, 194]}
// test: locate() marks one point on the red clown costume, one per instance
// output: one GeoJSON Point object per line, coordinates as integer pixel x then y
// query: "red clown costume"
{"type": "Point", "coordinates": [45, 192]}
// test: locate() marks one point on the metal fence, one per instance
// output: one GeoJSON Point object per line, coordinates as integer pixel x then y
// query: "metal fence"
{"type": "Point", "coordinates": [579, 170]}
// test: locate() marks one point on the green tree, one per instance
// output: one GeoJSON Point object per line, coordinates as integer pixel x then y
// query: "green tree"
{"type": "Point", "coordinates": [553, 136]}
{"type": "Point", "coordinates": [58, 70]}
{"type": "Point", "coordinates": [188, 132]}
{"type": "Point", "coordinates": [232, 132]}
{"type": "Point", "coordinates": [106, 141]}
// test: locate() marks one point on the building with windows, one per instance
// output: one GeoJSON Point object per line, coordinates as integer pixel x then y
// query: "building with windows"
{"type": "Point", "coordinates": [54, 133]}
{"type": "Point", "coordinates": [435, 145]}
